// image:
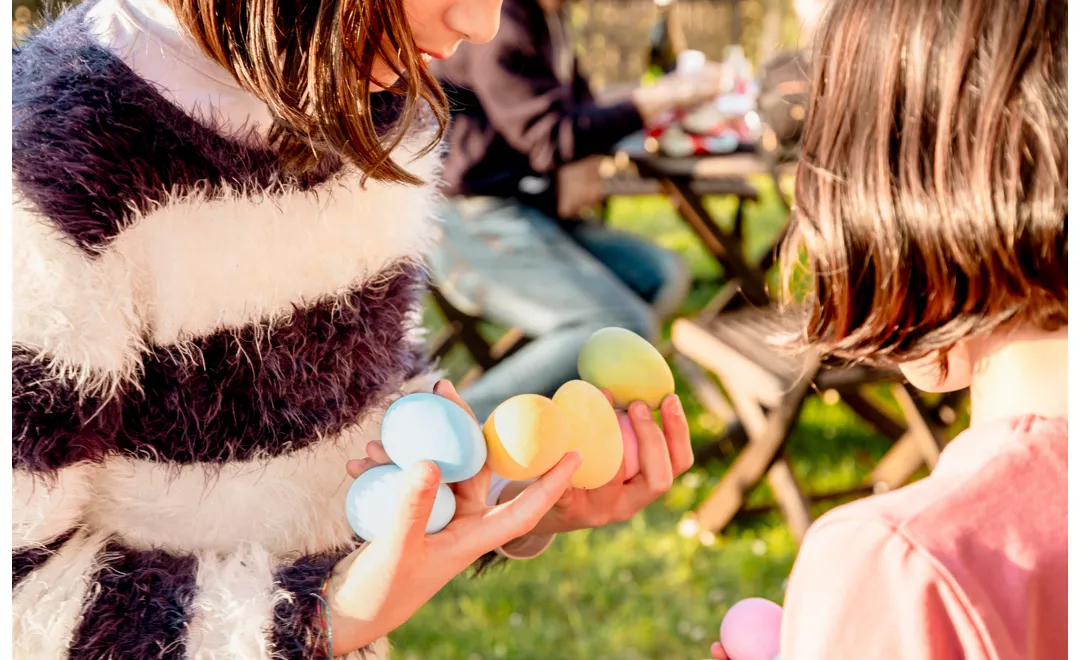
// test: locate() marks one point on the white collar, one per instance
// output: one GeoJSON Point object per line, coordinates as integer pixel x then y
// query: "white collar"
{"type": "Point", "coordinates": [146, 35]}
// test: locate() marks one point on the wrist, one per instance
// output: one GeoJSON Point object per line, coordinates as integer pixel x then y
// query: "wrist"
{"type": "Point", "coordinates": [649, 104]}
{"type": "Point", "coordinates": [529, 545]}
{"type": "Point", "coordinates": [347, 627]}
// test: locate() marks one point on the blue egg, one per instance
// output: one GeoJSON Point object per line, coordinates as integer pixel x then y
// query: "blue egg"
{"type": "Point", "coordinates": [374, 502]}
{"type": "Point", "coordinates": [427, 427]}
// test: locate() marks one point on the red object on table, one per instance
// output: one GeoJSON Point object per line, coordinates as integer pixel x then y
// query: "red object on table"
{"type": "Point", "coordinates": [702, 133]}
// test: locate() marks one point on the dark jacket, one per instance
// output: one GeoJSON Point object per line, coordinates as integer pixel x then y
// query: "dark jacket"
{"type": "Point", "coordinates": [516, 120]}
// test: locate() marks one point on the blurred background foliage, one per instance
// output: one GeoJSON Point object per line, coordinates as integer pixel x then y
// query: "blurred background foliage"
{"type": "Point", "coordinates": [611, 36]}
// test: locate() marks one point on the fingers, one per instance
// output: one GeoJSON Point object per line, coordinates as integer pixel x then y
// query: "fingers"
{"type": "Point", "coordinates": [519, 516]}
{"type": "Point", "coordinates": [608, 396]}
{"type": "Point", "coordinates": [475, 489]}
{"type": "Point", "coordinates": [358, 466]}
{"type": "Point", "coordinates": [653, 450]}
{"type": "Point", "coordinates": [718, 652]}
{"type": "Point", "coordinates": [677, 434]}
{"type": "Point", "coordinates": [421, 485]}
{"type": "Point", "coordinates": [376, 455]}
{"type": "Point", "coordinates": [566, 499]}
{"type": "Point", "coordinates": [376, 452]}
{"type": "Point", "coordinates": [446, 390]}
{"type": "Point", "coordinates": [631, 457]}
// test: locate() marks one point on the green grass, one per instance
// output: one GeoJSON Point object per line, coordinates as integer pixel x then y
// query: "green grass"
{"type": "Point", "coordinates": [641, 590]}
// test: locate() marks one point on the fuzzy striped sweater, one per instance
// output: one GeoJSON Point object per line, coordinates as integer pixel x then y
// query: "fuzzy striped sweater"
{"type": "Point", "coordinates": [201, 340]}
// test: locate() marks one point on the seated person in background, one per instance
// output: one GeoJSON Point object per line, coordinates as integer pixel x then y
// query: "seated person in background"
{"type": "Point", "coordinates": [521, 165]}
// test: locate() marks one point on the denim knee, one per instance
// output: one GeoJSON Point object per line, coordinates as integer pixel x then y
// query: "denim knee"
{"type": "Point", "coordinates": [638, 319]}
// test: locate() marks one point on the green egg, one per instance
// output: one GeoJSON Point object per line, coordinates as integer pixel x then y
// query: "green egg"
{"type": "Point", "coordinates": [626, 365]}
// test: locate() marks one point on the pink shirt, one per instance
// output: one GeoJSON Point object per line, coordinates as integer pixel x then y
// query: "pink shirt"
{"type": "Point", "coordinates": [970, 562]}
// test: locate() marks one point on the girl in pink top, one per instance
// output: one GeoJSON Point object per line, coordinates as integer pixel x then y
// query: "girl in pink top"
{"type": "Point", "coordinates": [932, 221]}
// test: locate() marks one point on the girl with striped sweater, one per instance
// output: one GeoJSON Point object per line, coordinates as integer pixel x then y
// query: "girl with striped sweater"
{"type": "Point", "coordinates": [221, 210]}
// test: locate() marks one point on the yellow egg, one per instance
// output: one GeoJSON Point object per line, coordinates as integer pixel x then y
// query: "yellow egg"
{"type": "Point", "coordinates": [626, 365]}
{"type": "Point", "coordinates": [594, 431]}
{"type": "Point", "coordinates": [526, 436]}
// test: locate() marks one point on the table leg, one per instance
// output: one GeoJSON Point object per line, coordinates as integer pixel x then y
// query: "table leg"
{"type": "Point", "coordinates": [726, 249]}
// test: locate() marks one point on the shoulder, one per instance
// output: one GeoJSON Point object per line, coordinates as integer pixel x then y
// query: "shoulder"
{"type": "Point", "coordinates": [860, 588]}
{"type": "Point", "coordinates": [94, 144]}
{"type": "Point", "coordinates": [874, 550]}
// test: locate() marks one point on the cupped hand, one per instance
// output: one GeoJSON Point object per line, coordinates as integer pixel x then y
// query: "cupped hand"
{"type": "Point", "coordinates": [389, 579]}
{"type": "Point", "coordinates": [664, 454]}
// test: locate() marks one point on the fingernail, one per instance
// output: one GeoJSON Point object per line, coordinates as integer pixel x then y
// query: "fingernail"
{"type": "Point", "coordinates": [641, 411]}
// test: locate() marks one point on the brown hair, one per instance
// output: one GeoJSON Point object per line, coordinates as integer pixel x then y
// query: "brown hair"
{"type": "Point", "coordinates": [931, 194]}
{"type": "Point", "coordinates": [311, 63]}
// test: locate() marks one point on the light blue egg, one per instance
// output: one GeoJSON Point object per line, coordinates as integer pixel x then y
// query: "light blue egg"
{"type": "Point", "coordinates": [373, 503]}
{"type": "Point", "coordinates": [428, 427]}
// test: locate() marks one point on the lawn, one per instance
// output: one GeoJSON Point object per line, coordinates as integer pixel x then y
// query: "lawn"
{"type": "Point", "coordinates": [642, 590]}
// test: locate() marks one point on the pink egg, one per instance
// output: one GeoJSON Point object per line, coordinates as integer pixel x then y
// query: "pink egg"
{"type": "Point", "coordinates": [631, 461]}
{"type": "Point", "coordinates": [751, 630]}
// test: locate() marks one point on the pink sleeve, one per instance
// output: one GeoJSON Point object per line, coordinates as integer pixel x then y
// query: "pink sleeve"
{"type": "Point", "coordinates": [860, 589]}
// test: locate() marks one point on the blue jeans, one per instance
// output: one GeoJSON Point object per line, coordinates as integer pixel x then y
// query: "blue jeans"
{"type": "Point", "coordinates": [515, 266]}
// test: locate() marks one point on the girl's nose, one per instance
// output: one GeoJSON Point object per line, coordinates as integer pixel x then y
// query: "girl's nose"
{"type": "Point", "coordinates": [477, 20]}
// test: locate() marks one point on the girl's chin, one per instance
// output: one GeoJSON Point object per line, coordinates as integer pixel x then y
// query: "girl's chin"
{"type": "Point", "coordinates": [383, 78]}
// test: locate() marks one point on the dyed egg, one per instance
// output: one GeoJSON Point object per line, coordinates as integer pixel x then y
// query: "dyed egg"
{"type": "Point", "coordinates": [594, 431]}
{"type": "Point", "coordinates": [631, 459]}
{"type": "Point", "coordinates": [751, 630]}
{"type": "Point", "coordinates": [428, 427]}
{"type": "Point", "coordinates": [373, 503]}
{"type": "Point", "coordinates": [626, 365]}
{"type": "Point", "coordinates": [526, 436]}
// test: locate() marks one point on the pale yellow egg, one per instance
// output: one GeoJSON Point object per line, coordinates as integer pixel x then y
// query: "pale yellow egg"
{"type": "Point", "coordinates": [526, 436]}
{"type": "Point", "coordinates": [626, 365]}
{"type": "Point", "coordinates": [594, 431]}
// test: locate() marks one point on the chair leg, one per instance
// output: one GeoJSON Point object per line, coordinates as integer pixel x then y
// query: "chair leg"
{"type": "Point", "coordinates": [792, 500]}
{"type": "Point", "coordinates": [930, 439]}
{"type": "Point", "coordinates": [709, 395]}
{"type": "Point", "coordinates": [511, 342]}
{"type": "Point", "coordinates": [467, 332]}
{"type": "Point", "coordinates": [766, 443]}
{"type": "Point", "coordinates": [898, 465]}
{"type": "Point", "coordinates": [873, 415]}
{"type": "Point", "coordinates": [444, 342]}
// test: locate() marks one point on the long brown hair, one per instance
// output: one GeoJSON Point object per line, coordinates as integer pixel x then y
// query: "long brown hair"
{"type": "Point", "coordinates": [931, 198]}
{"type": "Point", "coordinates": [311, 62]}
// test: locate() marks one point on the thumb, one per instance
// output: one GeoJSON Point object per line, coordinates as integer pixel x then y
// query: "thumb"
{"type": "Point", "coordinates": [421, 486]}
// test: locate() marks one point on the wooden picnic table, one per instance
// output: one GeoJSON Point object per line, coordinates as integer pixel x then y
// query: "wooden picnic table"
{"type": "Point", "coordinates": [686, 181]}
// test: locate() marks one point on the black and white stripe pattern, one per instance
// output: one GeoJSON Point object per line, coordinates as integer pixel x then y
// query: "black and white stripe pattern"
{"type": "Point", "coordinates": [202, 339]}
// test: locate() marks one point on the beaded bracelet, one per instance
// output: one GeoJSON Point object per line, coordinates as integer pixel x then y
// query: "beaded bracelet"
{"type": "Point", "coordinates": [324, 618]}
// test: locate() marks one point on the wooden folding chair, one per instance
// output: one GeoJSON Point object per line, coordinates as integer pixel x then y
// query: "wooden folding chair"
{"type": "Point", "coordinates": [463, 328]}
{"type": "Point", "coordinates": [767, 385]}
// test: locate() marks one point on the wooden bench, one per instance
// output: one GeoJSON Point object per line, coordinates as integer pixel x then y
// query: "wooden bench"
{"type": "Point", "coordinates": [767, 384]}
